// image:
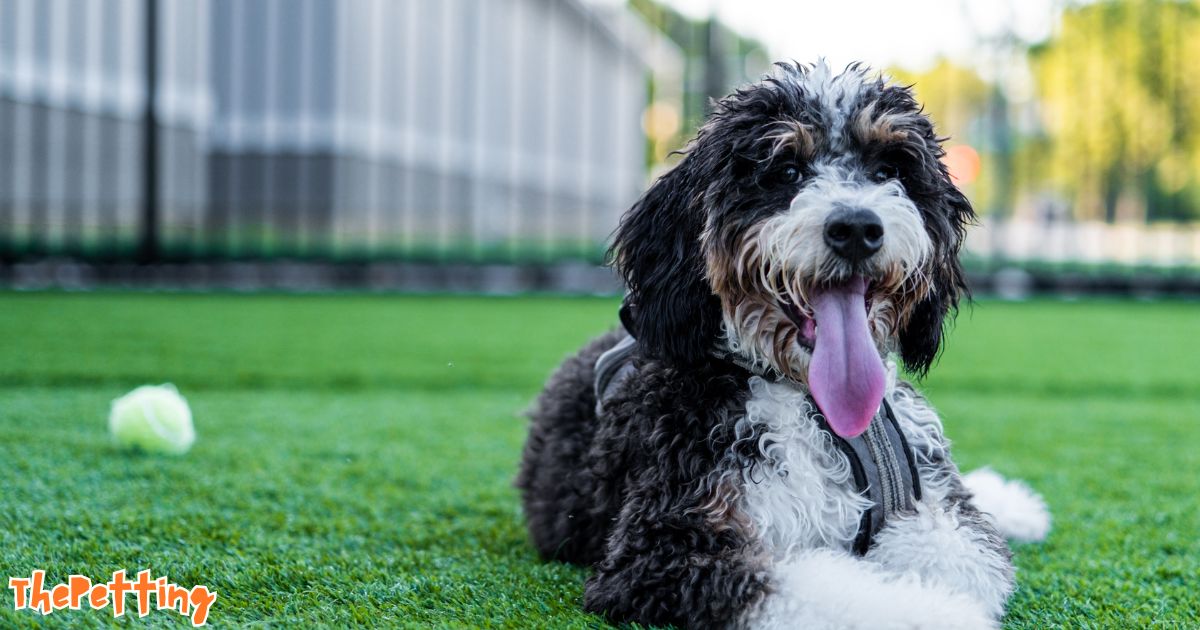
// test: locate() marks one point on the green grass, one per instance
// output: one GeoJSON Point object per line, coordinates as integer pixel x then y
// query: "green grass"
{"type": "Point", "coordinates": [355, 453]}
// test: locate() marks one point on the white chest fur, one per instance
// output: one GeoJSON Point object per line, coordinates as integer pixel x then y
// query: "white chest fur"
{"type": "Point", "coordinates": [802, 494]}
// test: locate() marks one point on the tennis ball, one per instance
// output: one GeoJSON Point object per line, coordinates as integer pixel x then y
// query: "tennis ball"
{"type": "Point", "coordinates": [152, 418]}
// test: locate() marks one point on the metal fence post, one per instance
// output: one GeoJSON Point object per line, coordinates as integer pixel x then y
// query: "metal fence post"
{"type": "Point", "coordinates": [148, 250]}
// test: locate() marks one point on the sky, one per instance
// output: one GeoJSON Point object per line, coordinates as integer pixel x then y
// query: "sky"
{"type": "Point", "coordinates": [907, 33]}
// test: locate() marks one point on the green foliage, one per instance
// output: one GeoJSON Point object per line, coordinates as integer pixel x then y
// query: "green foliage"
{"type": "Point", "coordinates": [354, 453]}
{"type": "Point", "coordinates": [955, 97]}
{"type": "Point", "coordinates": [1111, 123]}
{"type": "Point", "coordinates": [951, 94]}
{"type": "Point", "coordinates": [715, 59]}
{"type": "Point", "coordinates": [1120, 100]}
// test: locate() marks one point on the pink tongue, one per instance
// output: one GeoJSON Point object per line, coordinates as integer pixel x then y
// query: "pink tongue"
{"type": "Point", "coordinates": [846, 375]}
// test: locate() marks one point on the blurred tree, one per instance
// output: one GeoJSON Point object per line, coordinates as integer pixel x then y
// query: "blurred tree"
{"type": "Point", "coordinates": [953, 95]}
{"type": "Point", "coordinates": [957, 99]}
{"type": "Point", "coordinates": [716, 59]}
{"type": "Point", "coordinates": [1120, 102]}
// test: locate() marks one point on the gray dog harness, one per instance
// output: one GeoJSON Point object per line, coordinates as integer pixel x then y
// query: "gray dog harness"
{"type": "Point", "coordinates": [883, 465]}
{"type": "Point", "coordinates": [885, 471]}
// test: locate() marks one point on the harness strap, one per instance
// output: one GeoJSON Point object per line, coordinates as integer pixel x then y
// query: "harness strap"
{"type": "Point", "coordinates": [884, 471]}
{"type": "Point", "coordinates": [882, 463]}
{"type": "Point", "coordinates": [612, 368]}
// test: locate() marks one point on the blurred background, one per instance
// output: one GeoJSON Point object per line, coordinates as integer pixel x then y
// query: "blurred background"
{"type": "Point", "coordinates": [491, 145]}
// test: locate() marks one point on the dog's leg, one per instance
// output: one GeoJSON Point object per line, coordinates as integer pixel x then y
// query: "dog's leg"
{"type": "Point", "coordinates": [948, 541]}
{"type": "Point", "coordinates": [666, 565]}
{"type": "Point", "coordinates": [669, 565]}
{"type": "Point", "coordinates": [961, 546]}
{"type": "Point", "coordinates": [951, 546]}
{"type": "Point", "coordinates": [827, 590]}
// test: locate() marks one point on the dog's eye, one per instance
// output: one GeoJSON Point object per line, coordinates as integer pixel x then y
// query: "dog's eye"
{"type": "Point", "coordinates": [788, 175]}
{"type": "Point", "coordinates": [884, 173]}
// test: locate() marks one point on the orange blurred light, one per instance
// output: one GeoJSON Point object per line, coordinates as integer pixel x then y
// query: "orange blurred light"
{"type": "Point", "coordinates": [964, 164]}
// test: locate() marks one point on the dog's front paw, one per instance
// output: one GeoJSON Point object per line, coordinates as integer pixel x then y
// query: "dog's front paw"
{"type": "Point", "coordinates": [829, 590]}
{"type": "Point", "coordinates": [943, 548]}
{"type": "Point", "coordinates": [1016, 511]}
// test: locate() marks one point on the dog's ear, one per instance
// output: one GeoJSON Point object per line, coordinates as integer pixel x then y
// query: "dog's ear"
{"type": "Point", "coordinates": [921, 337]}
{"type": "Point", "coordinates": [656, 249]}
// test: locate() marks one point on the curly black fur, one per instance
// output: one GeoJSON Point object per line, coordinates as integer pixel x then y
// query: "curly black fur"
{"type": "Point", "coordinates": [657, 252]}
{"type": "Point", "coordinates": [631, 490]}
{"type": "Point", "coordinates": [569, 508]}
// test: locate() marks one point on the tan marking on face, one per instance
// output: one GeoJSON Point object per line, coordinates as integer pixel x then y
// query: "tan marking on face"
{"type": "Point", "coordinates": [884, 128]}
{"type": "Point", "coordinates": [793, 136]}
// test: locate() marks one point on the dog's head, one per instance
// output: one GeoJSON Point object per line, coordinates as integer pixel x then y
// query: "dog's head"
{"type": "Point", "coordinates": [811, 228]}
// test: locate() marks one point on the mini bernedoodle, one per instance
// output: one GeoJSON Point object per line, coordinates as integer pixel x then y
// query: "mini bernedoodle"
{"type": "Point", "coordinates": [741, 452]}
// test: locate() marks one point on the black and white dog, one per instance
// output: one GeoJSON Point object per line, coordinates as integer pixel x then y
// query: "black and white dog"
{"type": "Point", "coordinates": [742, 453]}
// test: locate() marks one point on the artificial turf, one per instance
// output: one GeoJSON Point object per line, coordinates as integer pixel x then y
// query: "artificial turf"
{"type": "Point", "coordinates": [355, 453]}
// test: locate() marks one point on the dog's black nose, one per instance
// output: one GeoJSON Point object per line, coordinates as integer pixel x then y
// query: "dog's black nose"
{"type": "Point", "coordinates": [854, 233]}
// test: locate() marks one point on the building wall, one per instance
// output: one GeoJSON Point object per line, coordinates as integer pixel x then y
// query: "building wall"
{"type": "Point", "coordinates": [380, 127]}
{"type": "Point", "coordinates": [72, 99]}
{"type": "Point", "coordinates": [433, 125]}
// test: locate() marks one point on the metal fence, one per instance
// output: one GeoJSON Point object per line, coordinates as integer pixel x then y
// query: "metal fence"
{"type": "Point", "coordinates": [475, 131]}
{"type": "Point", "coordinates": [201, 129]}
